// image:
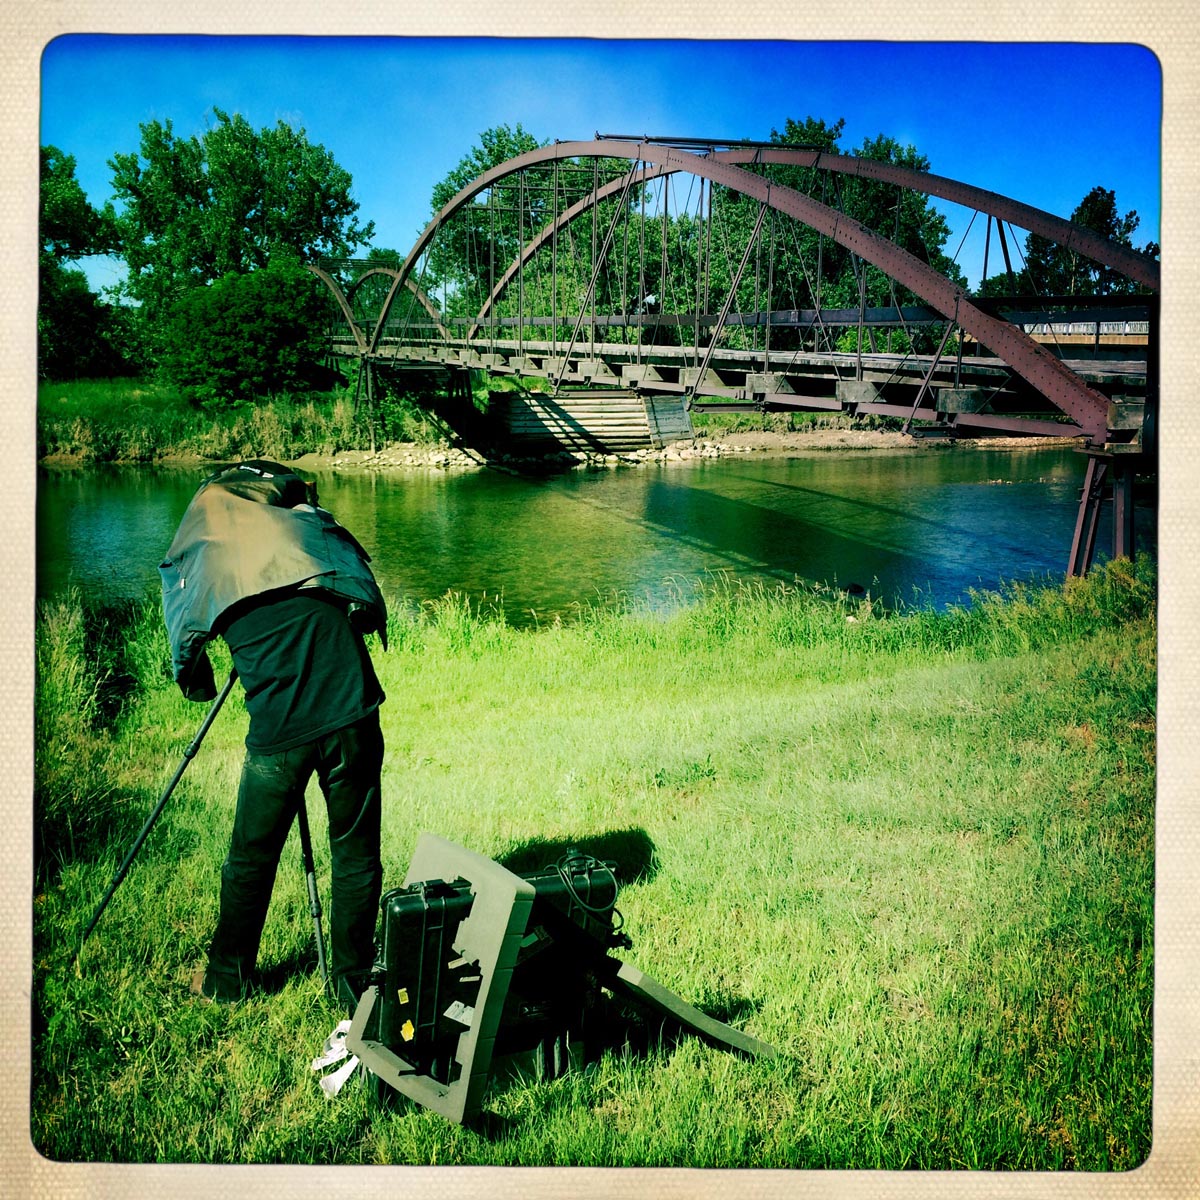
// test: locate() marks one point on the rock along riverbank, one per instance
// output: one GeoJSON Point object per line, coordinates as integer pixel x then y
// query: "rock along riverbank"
{"type": "Point", "coordinates": [439, 456]}
{"type": "Point", "coordinates": [409, 455]}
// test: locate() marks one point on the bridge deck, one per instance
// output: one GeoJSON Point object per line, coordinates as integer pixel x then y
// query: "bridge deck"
{"type": "Point", "coordinates": [734, 374]}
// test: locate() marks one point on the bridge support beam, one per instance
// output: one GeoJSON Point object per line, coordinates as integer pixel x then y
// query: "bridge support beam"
{"type": "Point", "coordinates": [1112, 474]}
{"type": "Point", "coordinates": [366, 403]}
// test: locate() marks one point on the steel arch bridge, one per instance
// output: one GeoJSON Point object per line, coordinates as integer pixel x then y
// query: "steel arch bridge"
{"type": "Point", "coordinates": [634, 303]}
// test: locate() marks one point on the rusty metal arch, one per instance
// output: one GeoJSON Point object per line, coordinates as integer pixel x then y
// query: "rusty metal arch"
{"type": "Point", "coordinates": [1128, 262]}
{"type": "Point", "coordinates": [340, 296]}
{"type": "Point", "coordinates": [390, 271]}
{"type": "Point", "coordinates": [343, 300]}
{"type": "Point", "coordinates": [424, 300]}
{"type": "Point", "coordinates": [1061, 386]}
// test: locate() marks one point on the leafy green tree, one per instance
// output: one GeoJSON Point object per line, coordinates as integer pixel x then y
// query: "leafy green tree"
{"type": "Point", "coordinates": [903, 216]}
{"type": "Point", "coordinates": [483, 238]}
{"type": "Point", "coordinates": [79, 335]}
{"type": "Point", "coordinates": [246, 336]}
{"type": "Point", "coordinates": [384, 256]}
{"type": "Point", "coordinates": [70, 227]}
{"type": "Point", "coordinates": [1050, 269]}
{"type": "Point", "coordinates": [496, 145]}
{"type": "Point", "coordinates": [194, 210]}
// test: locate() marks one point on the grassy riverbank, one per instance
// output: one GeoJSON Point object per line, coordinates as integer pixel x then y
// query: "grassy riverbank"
{"type": "Point", "coordinates": [913, 851]}
{"type": "Point", "coordinates": [141, 421]}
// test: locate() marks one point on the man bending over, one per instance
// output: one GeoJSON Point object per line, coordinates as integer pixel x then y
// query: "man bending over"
{"type": "Point", "coordinates": [256, 562]}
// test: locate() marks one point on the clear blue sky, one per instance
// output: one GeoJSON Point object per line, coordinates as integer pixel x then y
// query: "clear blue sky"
{"type": "Point", "coordinates": [1042, 123]}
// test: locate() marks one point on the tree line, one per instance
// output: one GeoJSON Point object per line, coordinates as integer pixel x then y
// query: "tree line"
{"type": "Point", "coordinates": [215, 230]}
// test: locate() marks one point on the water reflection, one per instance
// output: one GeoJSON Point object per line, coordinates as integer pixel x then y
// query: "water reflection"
{"type": "Point", "coordinates": [932, 524]}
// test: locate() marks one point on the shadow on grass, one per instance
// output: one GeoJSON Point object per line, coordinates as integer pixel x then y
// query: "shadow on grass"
{"type": "Point", "coordinates": [629, 850]}
{"type": "Point", "coordinates": [268, 981]}
{"type": "Point", "coordinates": [79, 817]}
{"type": "Point", "coordinates": [543, 1037]}
{"type": "Point", "coordinates": [612, 1027]}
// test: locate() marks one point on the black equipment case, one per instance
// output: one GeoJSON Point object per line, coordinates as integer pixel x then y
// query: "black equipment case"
{"type": "Point", "coordinates": [428, 991]}
{"type": "Point", "coordinates": [480, 967]}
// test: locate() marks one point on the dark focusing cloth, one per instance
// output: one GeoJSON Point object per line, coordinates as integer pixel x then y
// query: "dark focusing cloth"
{"type": "Point", "coordinates": [237, 540]}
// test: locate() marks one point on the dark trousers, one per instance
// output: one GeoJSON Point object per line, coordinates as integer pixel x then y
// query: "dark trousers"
{"type": "Point", "coordinates": [347, 764]}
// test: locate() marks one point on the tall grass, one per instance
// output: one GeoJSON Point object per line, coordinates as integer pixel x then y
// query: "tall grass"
{"type": "Point", "coordinates": [90, 664]}
{"type": "Point", "coordinates": [130, 420]}
{"type": "Point", "coordinates": [714, 424]}
{"type": "Point", "coordinates": [913, 850]}
{"type": "Point", "coordinates": [144, 421]}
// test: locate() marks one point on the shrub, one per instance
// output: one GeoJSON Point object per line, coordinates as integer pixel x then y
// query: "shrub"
{"type": "Point", "coordinates": [246, 336]}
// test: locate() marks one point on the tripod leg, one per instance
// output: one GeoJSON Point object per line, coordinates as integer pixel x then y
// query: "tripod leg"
{"type": "Point", "coordinates": [314, 899]}
{"type": "Point", "coordinates": [188, 755]}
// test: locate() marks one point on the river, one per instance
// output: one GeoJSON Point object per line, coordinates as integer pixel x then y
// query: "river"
{"type": "Point", "coordinates": [922, 526]}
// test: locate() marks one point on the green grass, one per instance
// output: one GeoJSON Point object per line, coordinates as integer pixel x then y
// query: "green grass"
{"type": "Point", "coordinates": [715, 424]}
{"type": "Point", "coordinates": [145, 421]}
{"type": "Point", "coordinates": [912, 850]}
{"type": "Point", "coordinates": [132, 420]}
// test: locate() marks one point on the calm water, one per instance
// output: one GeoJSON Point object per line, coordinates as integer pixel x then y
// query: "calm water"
{"type": "Point", "coordinates": [933, 524]}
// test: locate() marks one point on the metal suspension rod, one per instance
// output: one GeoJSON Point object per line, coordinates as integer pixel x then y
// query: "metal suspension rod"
{"type": "Point", "coordinates": [641, 287]}
{"type": "Point", "coordinates": [929, 374]}
{"type": "Point", "coordinates": [757, 294]}
{"type": "Point", "coordinates": [188, 755]}
{"type": "Point", "coordinates": [987, 245]}
{"type": "Point", "coordinates": [820, 254]}
{"type": "Point", "coordinates": [662, 267]}
{"type": "Point", "coordinates": [521, 268]}
{"type": "Point", "coordinates": [492, 257]}
{"type": "Point", "coordinates": [770, 296]}
{"type": "Point", "coordinates": [554, 270]}
{"type": "Point", "coordinates": [708, 247]}
{"type": "Point", "coordinates": [642, 247]}
{"type": "Point", "coordinates": [625, 276]}
{"type": "Point", "coordinates": [712, 345]}
{"type": "Point", "coordinates": [595, 230]}
{"type": "Point", "coordinates": [862, 312]}
{"type": "Point", "coordinates": [1012, 287]}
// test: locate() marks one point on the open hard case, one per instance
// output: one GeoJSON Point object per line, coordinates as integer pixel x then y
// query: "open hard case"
{"type": "Point", "coordinates": [480, 966]}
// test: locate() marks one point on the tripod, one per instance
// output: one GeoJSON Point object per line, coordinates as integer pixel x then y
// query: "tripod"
{"type": "Point", "coordinates": [310, 874]}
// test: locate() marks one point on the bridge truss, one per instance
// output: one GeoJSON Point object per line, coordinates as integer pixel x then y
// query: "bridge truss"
{"type": "Point", "coordinates": [640, 281]}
